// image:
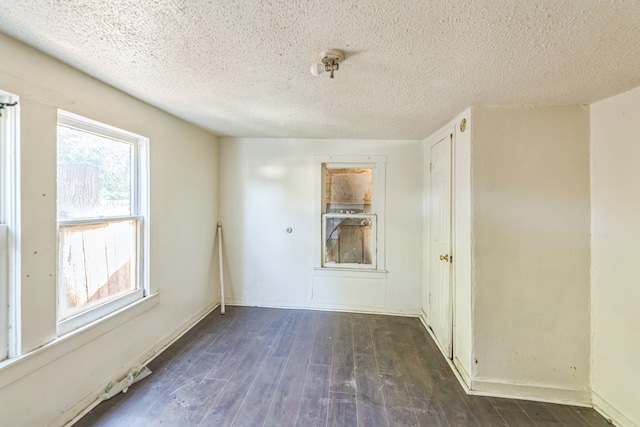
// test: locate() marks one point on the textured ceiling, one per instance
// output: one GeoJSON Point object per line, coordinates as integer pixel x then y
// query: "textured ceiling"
{"type": "Point", "coordinates": [241, 68]}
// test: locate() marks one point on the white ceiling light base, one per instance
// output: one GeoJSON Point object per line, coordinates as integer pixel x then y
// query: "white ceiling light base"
{"type": "Point", "coordinates": [328, 61]}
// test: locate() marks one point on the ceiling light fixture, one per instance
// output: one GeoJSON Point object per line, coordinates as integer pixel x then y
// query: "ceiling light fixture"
{"type": "Point", "coordinates": [329, 61]}
{"type": "Point", "coordinates": [7, 104]}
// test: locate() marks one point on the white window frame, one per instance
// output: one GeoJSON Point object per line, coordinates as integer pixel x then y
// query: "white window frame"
{"type": "Point", "coordinates": [140, 214]}
{"type": "Point", "coordinates": [10, 339]}
{"type": "Point", "coordinates": [371, 217]}
{"type": "Point", "coordinates": [377, 164]}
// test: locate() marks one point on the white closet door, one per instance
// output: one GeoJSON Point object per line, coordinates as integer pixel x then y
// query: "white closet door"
{"type": "Point", "coordinates": [440, 295]}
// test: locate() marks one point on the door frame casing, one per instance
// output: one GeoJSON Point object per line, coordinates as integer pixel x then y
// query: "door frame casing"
{"type": "Point", "coordinates": [463, 283]}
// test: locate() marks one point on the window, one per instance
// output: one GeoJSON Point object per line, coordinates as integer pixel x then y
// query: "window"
{"type": "Point", "coordinates": [9, 219]}
{"type": "Point", "coordinates": [102, 194]}
{"type": "Point", "coordinates": [352, 213]}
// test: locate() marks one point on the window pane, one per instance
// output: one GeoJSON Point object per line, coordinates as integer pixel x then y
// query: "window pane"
{"type": "Point", "coordinates": [97, 263]}
{"type": "Point", "coordinates": [348, 190]}
{"type": "Point", "coordinates": [94, 175]}
{"type": "Point", "coordinates": [348, 241]}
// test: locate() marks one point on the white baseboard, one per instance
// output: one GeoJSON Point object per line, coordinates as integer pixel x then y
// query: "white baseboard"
{"type": "Point", "coordinates": [349, 308]}
{"type": "Point", "coordinates": [509, 390]}
{"type": "Point", "coordinates": [466, 378]}
{"type": "Point", "coordinates": [536, 393]}
{"type": "Point", "coordinates": [610, 412]}
{"type": "Point", "coordinates": [90, 401]}
{"type": "Point", "coordinates": [424, 318]}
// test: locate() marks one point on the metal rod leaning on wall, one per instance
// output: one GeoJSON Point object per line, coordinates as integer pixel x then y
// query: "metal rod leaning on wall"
{"type": "Point", "coordinates": [220, 268]}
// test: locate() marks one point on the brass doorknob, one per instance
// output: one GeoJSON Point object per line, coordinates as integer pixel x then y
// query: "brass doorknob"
{"type": "Point", "coordinates": [444, 257]}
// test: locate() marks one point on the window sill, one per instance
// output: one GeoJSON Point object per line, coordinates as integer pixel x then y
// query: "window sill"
{"type": "Point", "coordinates": [348, 272]}
{"type": "Point", "coordinates": [13, 369]}
{"type": "Point", "coordinates": [98, 312]}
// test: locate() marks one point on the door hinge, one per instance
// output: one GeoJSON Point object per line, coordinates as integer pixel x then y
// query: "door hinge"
{"type": "Point", "coordinates": [430, 167]}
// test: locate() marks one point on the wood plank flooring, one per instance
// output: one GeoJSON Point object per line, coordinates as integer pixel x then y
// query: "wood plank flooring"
{"type": "Point", "coordinates": [274, 367]}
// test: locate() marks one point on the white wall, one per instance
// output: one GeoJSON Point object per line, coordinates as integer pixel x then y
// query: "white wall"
{"type": "Point", "coordinates": [615, 249]}
{"type": "Point", "coordinates": [530, 183]}
{"type": "Point", "coordinates": [267, 185]}
{"type": "Point", "coordinates": [59, 377]}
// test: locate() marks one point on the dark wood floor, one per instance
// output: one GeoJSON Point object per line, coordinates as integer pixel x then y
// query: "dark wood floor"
{"type": "Point", "coordinates": [273, 367]}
